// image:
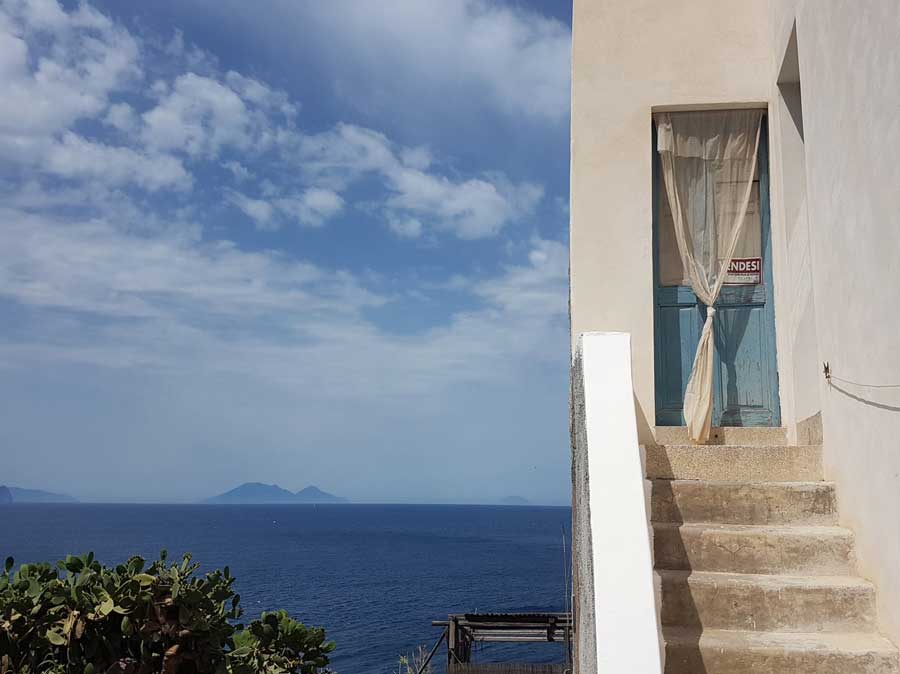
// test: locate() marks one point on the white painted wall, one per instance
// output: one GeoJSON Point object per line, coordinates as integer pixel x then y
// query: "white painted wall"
{"type": "Point", "coordinates": [617, 629]}
{"type": "Point", "coordinates": [629, 56]}
{"type": "Point", "coordinates": [849, 63]}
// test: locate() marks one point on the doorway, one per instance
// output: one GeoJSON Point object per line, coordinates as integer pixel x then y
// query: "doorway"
{"type": "Point", "coordinates": [745, 367]}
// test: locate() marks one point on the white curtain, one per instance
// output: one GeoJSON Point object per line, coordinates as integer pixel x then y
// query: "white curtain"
{"type": "Point", "coordinates": [708, 161]}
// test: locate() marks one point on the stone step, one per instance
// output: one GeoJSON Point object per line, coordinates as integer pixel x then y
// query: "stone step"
{"type": "Point", "coordinates": [733, 601]}
{"type": "Point", "coordinates": [733, 548]}
{"type": "Point", "coordinates": [723, 435]}
{"type": "Point", "coordinates": [733, 652]}
{"type": "Point", "coordinates": [727, 502]}
{"type": "Point", "coordinates": [735, 462]}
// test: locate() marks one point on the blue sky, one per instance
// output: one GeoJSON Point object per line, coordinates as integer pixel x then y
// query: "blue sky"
{"type": "Point", "coordinates": [292, 242]}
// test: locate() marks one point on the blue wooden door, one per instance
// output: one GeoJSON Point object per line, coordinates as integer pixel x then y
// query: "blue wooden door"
{"type": "Point", "coordinates": [746, 374]}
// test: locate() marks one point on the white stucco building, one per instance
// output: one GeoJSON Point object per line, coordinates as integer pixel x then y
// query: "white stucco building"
{"type": "Point", "coordinates": [777, 122]}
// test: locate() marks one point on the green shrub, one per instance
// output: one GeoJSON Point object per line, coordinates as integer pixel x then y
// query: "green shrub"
{"type": "Point", "coordinates": [83, 618]}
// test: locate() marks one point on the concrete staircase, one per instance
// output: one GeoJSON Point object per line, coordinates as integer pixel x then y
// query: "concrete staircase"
{"type": "Point", "coordinates": [755, 573]}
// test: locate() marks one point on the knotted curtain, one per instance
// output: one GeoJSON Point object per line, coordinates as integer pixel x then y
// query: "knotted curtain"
{"type": "Point", "coordinates": [708, 161]}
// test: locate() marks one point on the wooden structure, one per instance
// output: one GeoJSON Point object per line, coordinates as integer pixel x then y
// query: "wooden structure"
{"type": "Point", "coordinates": [463, 631]}
{"type": "Point", "coordinates": [495, 668]}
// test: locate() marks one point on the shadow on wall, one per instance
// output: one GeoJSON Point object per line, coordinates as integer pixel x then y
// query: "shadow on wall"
{"type": "Point", "coordinates": [645, 433]}
{"type": "Point", "coordinates": [864, 401]}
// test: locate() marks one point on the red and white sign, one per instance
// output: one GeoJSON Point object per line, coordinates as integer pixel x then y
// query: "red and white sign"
{"type": "Point", "coordinates": [744, 271]}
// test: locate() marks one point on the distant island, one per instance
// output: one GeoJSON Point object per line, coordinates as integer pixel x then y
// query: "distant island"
{"type": "Point", "coordinates": [515, 501]}
{"type": "Point", "coordinates": [259, 493]}
{"type": "Point", "coordinates": [20, 495]}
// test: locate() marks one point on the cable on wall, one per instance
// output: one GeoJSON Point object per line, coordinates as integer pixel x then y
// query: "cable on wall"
{"type": "Point", "coordinates": [826, 370]}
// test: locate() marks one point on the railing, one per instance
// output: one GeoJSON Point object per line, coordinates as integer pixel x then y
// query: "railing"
{"type": "Point", "coordinates": [463, 631]}
{"type": "Point", "coordinates": [437, 644]}
{"type": "Point", "coordinates": [616, 626]}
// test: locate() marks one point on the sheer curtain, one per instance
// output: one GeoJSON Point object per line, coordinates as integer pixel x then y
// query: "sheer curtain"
{"type": "Point", "coordinates": [708, 160]}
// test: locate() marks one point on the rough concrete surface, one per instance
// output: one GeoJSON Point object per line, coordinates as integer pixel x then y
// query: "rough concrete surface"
{"type": "Point", "coordinates": [728, 502]}
{"type": "Point", "coordinates": [724, 435]}
{"type": "Point", "coordinates": [737, 601]}
{"type": "Point", "coordinates": [793, 550]}
{"type": "Point", "coordinates": [585, 647]}
{"type": "Point", "coordinates": [735, 462]}
{"type": "Point", "coordinates": [733, 652]}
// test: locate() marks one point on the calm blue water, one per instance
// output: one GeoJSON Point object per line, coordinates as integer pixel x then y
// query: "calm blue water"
{"type": "Point", "coordinates": [374, 576]}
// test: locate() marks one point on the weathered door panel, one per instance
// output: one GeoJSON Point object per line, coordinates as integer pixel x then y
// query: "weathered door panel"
{"type": "Point", "coordinates": [744, 387]}
{"type": "Point", "coordinates": [678, 326]}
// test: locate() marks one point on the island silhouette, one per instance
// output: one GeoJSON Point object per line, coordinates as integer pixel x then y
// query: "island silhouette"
{"type": "Point", "coordinates": [260, 493]}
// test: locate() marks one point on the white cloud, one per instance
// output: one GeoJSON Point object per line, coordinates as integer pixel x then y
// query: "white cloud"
{"type": "Point", "coordinates": [75, 157]}
{"type": "Point", "coordinates": [199, 116]}
{"type": "Point", "coordinates": [416, 157]}
{"type": "Point", "coordinates": [64, 67]}
{"type": "Point", "coordinates": [170, 300]}
{"type": "Point", "coordinates": [310, 208]}
{"type": "Point", "coordinates": [343, 154]}
{"type": "Point", "coordinates": [313, 207]}
{"type": "Point", "coordinates": [121, 116]}
{"type": "Point", "coordinates": [259, 210]}
{"type": "Point", "coordinates": [238, 170]}
{"type": "Point", "coordinates": [532, 289]}
{"type": "Point", "coordinates": [203, 115]}
{"type": "Point", "coordinates": [267, 188]}
{"type": "Point", "coordinates": [194, 58]}
{"type": "Point", "coordinates": [322, 201]}
{"type": "Point", "coordinates": [407, 228]}
{"type": "Point", "coordinates": [260, 94]}
{"type": "Point", "coordinates": [427, 54]}
{"type": "Point", "coordinates": [89, 58]}
{"type": "Point", "coordinates": [96, 267]}
{"type": "Point", "coordinates": [85, 66]}
{"type": "Point", "coordinates": [470, 209]}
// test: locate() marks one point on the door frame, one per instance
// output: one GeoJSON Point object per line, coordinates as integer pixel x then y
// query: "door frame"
{"type": "Point", "coordinates": [683, 296]}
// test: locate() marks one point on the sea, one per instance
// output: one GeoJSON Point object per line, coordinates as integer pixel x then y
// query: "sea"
{"type": "Point", "coordinates": [374, 576]}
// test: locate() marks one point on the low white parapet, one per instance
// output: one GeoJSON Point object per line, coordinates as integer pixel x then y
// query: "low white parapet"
{"type": "Point", "coordinates": [616, 622]}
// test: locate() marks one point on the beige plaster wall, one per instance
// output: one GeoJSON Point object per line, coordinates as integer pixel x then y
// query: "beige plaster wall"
{"type": "Point", "coordinates": [796, 333]}
{"type": "Point", "coordinates": [835, 203]}
{"type": "Point", "coordinates": [850, 80]}
{"type": "Point", "coordinates": [629, 57]}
